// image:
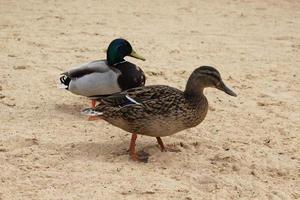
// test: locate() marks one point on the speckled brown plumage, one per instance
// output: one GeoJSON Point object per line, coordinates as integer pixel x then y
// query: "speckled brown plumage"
{"type": "Point", "coordinates": [160, 110]}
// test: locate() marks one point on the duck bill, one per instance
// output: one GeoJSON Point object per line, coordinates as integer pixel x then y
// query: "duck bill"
{"type": "Point", "coordinates": [226, 89]}
{"type": "Point", "coordinates": [137, 56]}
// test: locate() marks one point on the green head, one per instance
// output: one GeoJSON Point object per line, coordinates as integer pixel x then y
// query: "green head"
{"type": "Point", "coordinates": [118, 49]}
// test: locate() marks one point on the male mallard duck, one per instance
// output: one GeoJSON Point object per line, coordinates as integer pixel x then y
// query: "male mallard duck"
{"type": "Point", "coordinates": [105, 77]}
{"type": "Point", "coordinates": [160, 110]}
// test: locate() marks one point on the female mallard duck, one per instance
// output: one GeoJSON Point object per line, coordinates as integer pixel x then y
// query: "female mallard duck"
{"type": "Point", "coordinates": [160, 110]}
{"type": "Point", "coordinates": [105, 77]}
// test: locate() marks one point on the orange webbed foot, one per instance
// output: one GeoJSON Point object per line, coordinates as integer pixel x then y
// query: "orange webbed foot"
{"type": "Point", "coordinates": [140, 156]}
{"type": "Point", "coordinates": [93, 118]}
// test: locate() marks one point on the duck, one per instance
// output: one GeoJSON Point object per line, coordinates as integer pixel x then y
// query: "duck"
{"type": "Point", "coordinates": [160, 110]}
{"type": "Point", "coordinates": [100, 78]}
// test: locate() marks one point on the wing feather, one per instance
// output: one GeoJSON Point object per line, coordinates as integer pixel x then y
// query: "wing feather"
{"type": "Point", "coordinates": [99, 66]}
{"type": "Point", "coordinates": [140, 96]}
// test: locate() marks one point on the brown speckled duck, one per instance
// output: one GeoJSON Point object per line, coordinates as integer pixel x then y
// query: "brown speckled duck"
{"type": "Point", "coordinates": [160, 110]}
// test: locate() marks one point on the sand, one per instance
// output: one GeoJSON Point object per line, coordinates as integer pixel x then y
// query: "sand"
{"type": "Point", "coordinates": [246, 148]}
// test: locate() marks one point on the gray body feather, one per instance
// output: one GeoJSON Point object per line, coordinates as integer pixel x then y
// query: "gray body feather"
{"type": "Point", "coordinates": [94, 78]}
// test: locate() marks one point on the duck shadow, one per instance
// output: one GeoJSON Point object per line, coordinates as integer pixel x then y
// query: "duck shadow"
{"type": "Point", "coordinates": [105, 151]}
{"type": "Point", "coordinates": [74, 109]}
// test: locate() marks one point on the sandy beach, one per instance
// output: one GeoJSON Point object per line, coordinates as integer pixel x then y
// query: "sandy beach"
{"type": "Point", "coordinates": [248, 147]}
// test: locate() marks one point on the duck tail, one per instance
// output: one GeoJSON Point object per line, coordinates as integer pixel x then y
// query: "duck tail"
{"type": "Point", "coordinates": [64, 82]}
{"type": "Point", "coordinates": [91, 112]}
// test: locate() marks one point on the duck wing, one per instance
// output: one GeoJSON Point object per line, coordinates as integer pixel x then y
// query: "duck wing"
{"type": "Point", "coordinates": [142, 101]}
{"type": "Point", "coordinates": [147, 97]}
{"type": "Point", "coordinates": [93, 78]}
{"type": "Point", "coordinates": [99, 66]}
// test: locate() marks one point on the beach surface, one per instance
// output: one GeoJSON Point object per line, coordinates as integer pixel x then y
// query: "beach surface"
{"type": "Point", "coordinates": [246, 148]}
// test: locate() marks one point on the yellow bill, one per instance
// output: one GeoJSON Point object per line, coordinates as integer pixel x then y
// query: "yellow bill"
{"type": "Point", "coordinates": [137, 56]}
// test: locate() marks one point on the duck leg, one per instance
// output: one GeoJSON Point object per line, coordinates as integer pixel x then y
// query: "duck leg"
{"type": "Point", "coordinates": [93, 118]}
{"type": "Point", "coordinates": [132, 147]}
{"type": "Point", "coordinates": [142, 157]}
{"type": "Point", "coordinates": [161, 144]}
{"type": "Point", "coordinates": [93, 103]}
{"type": "Point", "coordinates": [163, 148]}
